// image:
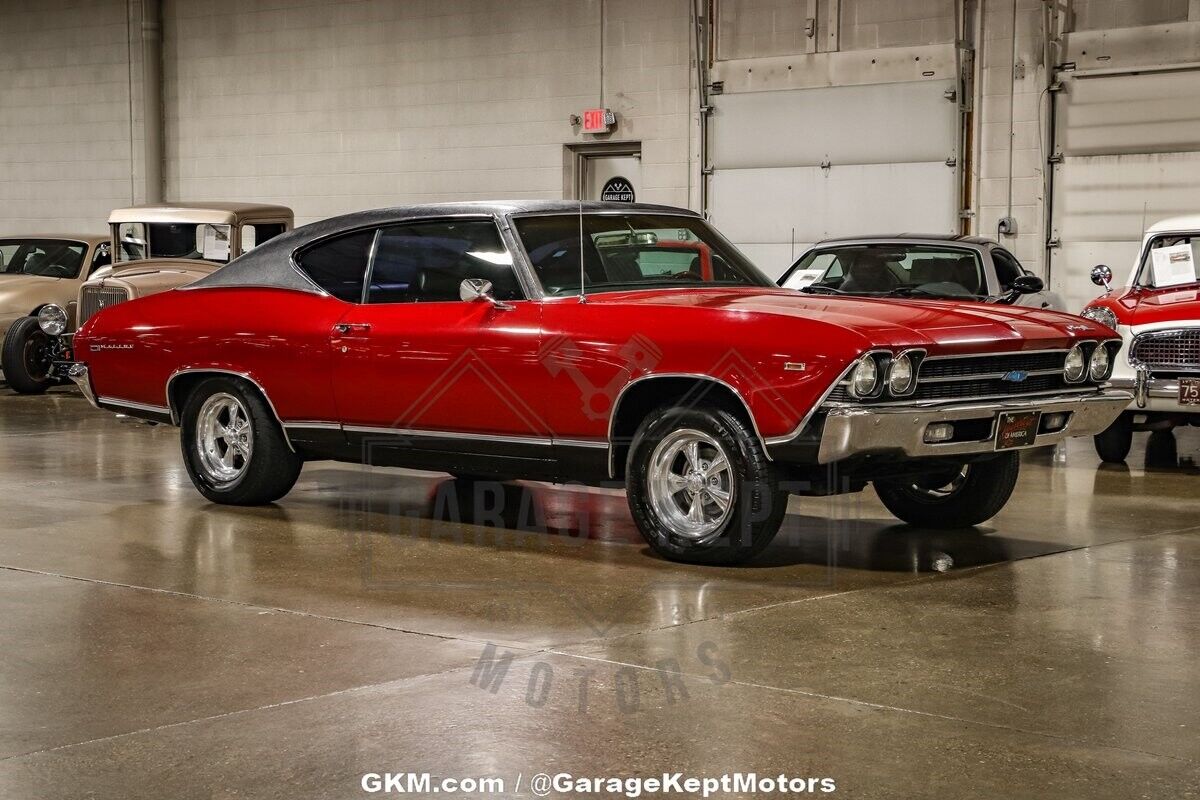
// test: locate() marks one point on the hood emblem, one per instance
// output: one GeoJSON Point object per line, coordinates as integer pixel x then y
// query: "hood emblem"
{"type": "Point", "coordinates": [1016, 376]}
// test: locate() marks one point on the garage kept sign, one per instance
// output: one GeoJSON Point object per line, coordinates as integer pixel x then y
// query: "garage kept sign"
{"type": "Point", "coordinates": [617, 190]}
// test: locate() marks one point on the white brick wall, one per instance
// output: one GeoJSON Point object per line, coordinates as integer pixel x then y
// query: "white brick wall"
{"type": "Point", "coordinates": [64, 115]}
{"type": "Point", "coordinates": [332, 107]}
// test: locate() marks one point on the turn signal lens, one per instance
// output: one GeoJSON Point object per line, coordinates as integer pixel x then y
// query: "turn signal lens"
{"type": "Point", "coordinates": [864, 379]}
{"type": "Point", "coordinates": [52, 320]}
{"type": "Point", "coordinates": [1075, 365]}
{"type": "Point", "coordinates": [900, 376]}
{"type": "Point", "coordinates": [1101, 364]}
{"type": "Point", "coordinates": [939, 432]}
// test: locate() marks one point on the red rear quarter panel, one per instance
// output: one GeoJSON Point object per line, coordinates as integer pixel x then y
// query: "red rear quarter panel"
{"type": "Point", "coordinates": [279, 338]}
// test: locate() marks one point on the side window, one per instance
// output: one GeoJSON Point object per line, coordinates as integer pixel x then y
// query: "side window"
{"type": "Point", "coordinates": [339, 265]}
{"type": "Point", "coordinates": [1007, 268]}
{"type": "Point", "coordinates": [425, 262]}
{"type": "Point", "coordinates": [102, 257]}
{"type": "Point", "coordinates": [255, 234]}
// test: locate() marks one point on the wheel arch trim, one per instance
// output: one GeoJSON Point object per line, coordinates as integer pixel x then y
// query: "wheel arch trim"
{"type": "Point", "coordinates": [175, 412]}
{"type": "Point", "coordinates": [696, 376]}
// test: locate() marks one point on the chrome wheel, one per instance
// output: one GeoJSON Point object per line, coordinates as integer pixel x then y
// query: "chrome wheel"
{"type": "Point", "coordinates": [224, 438]}
{"type": "Point", "coordinates": [942, 485]}
{"type": "Point", "coordinates": [690, 484]}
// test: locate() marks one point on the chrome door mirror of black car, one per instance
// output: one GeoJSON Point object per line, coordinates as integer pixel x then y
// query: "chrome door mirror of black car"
{"type": "Point", "coordinates": [476, 290]}
{"type": "Point", "coordinates": [1102, 276]}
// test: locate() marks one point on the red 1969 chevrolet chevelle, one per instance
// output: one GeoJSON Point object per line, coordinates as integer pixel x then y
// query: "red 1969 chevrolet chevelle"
{"type": "Point", "coordinates": [456, 338]}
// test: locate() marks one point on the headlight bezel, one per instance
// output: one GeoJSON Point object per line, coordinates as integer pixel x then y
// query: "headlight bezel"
{"type": "Point", "coordinates": [1101, 314]}
{"type": "Point", "coordinates": [52, 319]}
{"type": "Point", "coordinates": [861, 364]}
{"type": "Point", "coordinates": [1085, 358]}
{"type": "Point", "coordinates": [1109, 350]}
{"type": "Point", "coordinates": [912, 358]}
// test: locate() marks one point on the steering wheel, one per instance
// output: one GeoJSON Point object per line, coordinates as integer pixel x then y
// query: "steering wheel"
{"type": "Point", "coordinates": [56, 271]}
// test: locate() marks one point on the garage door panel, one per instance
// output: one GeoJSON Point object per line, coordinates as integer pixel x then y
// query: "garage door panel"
{"type": "Point", "coordinates": [1146, 113]}
{"type": "Point", "coordinates": [1071, 267]}
{"type": "Point", "coordinates": [1112, 198]}
{"type": "Point", "coordinates": [846, 125]}
{"type": "Point", "coordinates": [759, 208]}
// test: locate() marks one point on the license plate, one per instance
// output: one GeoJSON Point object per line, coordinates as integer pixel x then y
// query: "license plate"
{"type": "Point", "coordinates": [1016, 429]}
{"type": "Point", "coordinates": [1189, 391]}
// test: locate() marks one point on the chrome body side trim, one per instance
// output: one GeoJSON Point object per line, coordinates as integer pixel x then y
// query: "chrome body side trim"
{"type": "Point", "coordinates": [901, 429]}
{"type": "Point", "coordinates": [313, 425]}
{"type": "Point", "coordinates": [544, 441]}
{"type": "Point", "coordinates": [612, 418]}
{"type": "Point", "coordinates": [147, 407]}
{"type": "Point", "coordinates": [174, 413]}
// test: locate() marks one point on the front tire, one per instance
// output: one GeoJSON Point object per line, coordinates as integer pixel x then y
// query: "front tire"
{"type": "Point", "coordinates": [25, 358]}
{"type": "Point", "coordinates": [955, 498]}
{"type": "Point", "coordinates": [700, 487]}
{"type": "Point", "coordinates": [1113, 443]}
{"type": "Point", "coordinates": [233, 446]}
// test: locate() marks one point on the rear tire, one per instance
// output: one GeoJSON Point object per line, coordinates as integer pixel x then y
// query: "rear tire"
{"type": "Point", "coordinates": [953, 499]}
{"type": "Point", "coordinates": [233, 446]}
{"type": "Point", "coordinates": [700, 487]}
{"type": "Point", "coordinates": [24, 358]}
{"type": "Point", "coordinates": [1113, 443]}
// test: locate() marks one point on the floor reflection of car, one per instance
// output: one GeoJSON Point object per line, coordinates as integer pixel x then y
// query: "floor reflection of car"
{"type": "Point", "coordinates": [908, 265]}
{"type": "Point", "coordinates": [1157, 313]}
{"type": "Point", "coordinates": [37, 272]}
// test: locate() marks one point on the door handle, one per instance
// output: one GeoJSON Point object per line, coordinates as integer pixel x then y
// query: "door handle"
{"type": "Point", "coordinates": [347, 328]}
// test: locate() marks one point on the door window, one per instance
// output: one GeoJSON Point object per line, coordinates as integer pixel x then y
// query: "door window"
{"type": "Point", "coordinates": [258, 233]}
{"type": "Point", "coordinates": [339, 265]}
{"type": "Point", "coordinates": [1008, 269]}
{"type": "Point", "coordinates": [426, 262]}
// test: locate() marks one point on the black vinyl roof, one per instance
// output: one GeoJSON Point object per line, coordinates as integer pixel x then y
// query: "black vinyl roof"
{"type": "Point", "coordinates": [270, 264]}
{"type": "Point", "coordinates": [905, 237]}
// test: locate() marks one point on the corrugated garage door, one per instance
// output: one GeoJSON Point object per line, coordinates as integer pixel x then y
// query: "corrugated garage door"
{"type": "Point", "coordinates": [831, 162]}
{"type": "Point", "coordinates": [1131, 156]}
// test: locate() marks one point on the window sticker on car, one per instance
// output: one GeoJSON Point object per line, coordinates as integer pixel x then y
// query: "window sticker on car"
{"type": "Point", "coordinates": [216, 242]}
{"type": "Point", "coordinates": [1173, 265]}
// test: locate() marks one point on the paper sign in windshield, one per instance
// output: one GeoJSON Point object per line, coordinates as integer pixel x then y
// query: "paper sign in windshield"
{"type": "Point", "coordinates": [216, 243]}
{"type": "Point", "coordinates": [1173, 265]}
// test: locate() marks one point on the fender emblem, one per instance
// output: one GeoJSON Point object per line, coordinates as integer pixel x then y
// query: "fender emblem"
{"type": "Point", "coordinates": [1016, 376]}
{"type": "Point", "coordinates": [96, 348]}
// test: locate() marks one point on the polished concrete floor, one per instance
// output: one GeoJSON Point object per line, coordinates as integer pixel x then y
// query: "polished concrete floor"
{"type": "Point", "coordinates": [155, 646]}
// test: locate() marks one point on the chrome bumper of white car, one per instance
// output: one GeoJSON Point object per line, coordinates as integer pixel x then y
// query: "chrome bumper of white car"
{"type": "Point", "coordinates": [79, 374]}
{"type": "Point", "coordinates": [862, 430]}
{"type": "Point", "coordinates": [1154, 394]}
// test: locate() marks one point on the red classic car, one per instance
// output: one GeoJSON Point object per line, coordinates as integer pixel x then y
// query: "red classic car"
{"type": "Point", "coordinates": [457, 338]}
{"type": "Point", "coordinates": [1157, 313]}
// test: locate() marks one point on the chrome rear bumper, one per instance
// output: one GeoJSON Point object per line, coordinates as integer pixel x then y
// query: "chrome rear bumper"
{"type": "Point", "coordinates": [79, 374]}
{"type": "Point", "coordinates": [852, 431]}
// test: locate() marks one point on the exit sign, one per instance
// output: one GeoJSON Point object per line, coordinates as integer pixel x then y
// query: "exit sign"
{"type": "Point", "coordinates": [598, 120]}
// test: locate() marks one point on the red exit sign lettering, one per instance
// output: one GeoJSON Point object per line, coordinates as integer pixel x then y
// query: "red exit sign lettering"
{"type": "Point", "coordinates": [598, 120]}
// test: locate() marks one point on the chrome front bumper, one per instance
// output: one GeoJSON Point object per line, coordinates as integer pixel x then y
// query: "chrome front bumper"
{"type": "Point", "coordinates": [852, 431]}
{"type": "Point", "coordinates": [1154, 394]}
{"type": "Point", "coordinates": [79, 374]}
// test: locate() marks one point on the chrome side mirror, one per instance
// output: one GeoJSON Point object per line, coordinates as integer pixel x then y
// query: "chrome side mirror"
{"type": "Point", "coordinates": [474, 290]}
{"type": "Point", "coordinates": [1102, 276]}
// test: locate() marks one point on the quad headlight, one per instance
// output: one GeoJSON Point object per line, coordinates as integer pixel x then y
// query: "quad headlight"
{"type": "Point", "coordinates": [52, 320]}
{"type": "Point", "coordinates": [864, 378]}
{"type": "Point", "coordinates": [1100, 366]}
{"type": "Point", "coordinates": [1100, 314]}
{"type": "Point", "coordinates": [901, 377]}
{"type": "Point", "coordinates": [1076, 365]}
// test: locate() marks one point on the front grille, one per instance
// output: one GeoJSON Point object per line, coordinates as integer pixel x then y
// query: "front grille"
{"type": "Point", "coordinates": [1168, 351]}
{"type": "Point", "coordinates": [95, 298]}
{"type": "Point", "coordinates": [971, 377]}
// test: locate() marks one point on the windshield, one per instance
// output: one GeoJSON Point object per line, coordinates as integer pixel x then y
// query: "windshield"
{"type": "Point", "coordinates": [48, 258]}
{"type": "Point", "coordinates": [631, 251]}
{"type": "Point", "coordinates": [138, 240]}
{"type": "Point", "coordinates": [889, 269]}
{"type": "Point", "coordinates": [1172, 260]}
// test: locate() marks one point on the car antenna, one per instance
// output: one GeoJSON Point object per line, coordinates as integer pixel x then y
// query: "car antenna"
{"type": "Point", "coordinates": [582, 274]}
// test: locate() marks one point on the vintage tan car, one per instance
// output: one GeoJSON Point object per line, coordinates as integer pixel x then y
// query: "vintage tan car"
{"type": "Point", "coordinates": [38, 271]}
{"type": "Point", "coordinates": [154, 248]}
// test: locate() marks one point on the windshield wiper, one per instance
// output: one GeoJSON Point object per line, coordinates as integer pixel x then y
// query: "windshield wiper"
{"type": "Point", "coordinates": [916, 291]}
{"type": "Point", "coordinates": [813, 288]}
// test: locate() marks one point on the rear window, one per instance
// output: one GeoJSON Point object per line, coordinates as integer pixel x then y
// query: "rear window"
{"type": "Point", "coordinates": [339, 265]}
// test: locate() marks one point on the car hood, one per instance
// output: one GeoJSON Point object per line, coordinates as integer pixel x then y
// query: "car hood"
{"type": "Point", "coordinates": [946, 326]}
{"type": "Point", "coordinates": [20, 294]}
{"type": "Point", "coordinates": [151, 266]}
{"type": "Point", "coordinates": [1150, 306]}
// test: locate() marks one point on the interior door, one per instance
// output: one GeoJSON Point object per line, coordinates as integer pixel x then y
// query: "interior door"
{"type": "Point", "coordinates": [612, 178]}
{"type": "Point", "coordinates": [417, 360]}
